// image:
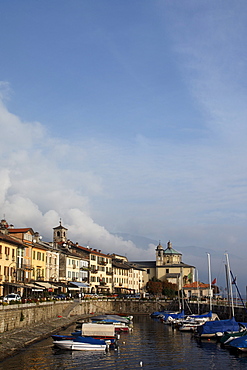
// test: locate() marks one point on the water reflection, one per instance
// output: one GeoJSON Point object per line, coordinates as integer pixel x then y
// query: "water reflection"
{"type": "Point", "coordinates": [158, 347]}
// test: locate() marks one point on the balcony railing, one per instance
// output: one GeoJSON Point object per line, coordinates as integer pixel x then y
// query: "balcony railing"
{"type": "Point", "coordinates": [6, 256]}
{"type": "Point", "coordinates": [27, 266]}
{"type": "Point", "coordinates": [103, 263]}
{"type": "Point", "coordinates": [1, 277]}
{"type": "Point", "coordinates": [74, 266]}
{"type": "Point", "coordinates": [108, 272]}
{"type": "Point", "coordinates": [94, 271]}
{"type": "Point", "coordinates": [102, 283]}
{"type": "Point", "coordinates": [41, 278]}
{"type": "Point", "coordinates": [1, 255]}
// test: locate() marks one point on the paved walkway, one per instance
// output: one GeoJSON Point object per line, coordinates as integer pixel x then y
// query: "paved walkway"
{"type": "Point", "coordinates": [14, 340]}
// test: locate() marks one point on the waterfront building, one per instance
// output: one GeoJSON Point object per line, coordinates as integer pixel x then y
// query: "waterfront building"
{"type": "Point", "coordinates": [25, 235]}
{"type": "Point", "coordinates": [168, 266]}
{"type": "Point", "coordinates": [9, 265]}
{"type": "Point", "coordinates": [100, 274]}
{"type": "Point", "coordinates": [121, 274]}
{"type": "Point", "coordinates": [197, 290]}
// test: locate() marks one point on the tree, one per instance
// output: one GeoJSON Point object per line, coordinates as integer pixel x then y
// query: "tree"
{"type": "Point", "coordinates": [154, 287]}
{"type": "Point", "coordinates": [169, 289]}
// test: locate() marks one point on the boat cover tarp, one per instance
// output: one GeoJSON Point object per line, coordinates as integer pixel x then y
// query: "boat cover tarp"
{"type": "Point", "coordinates": [202, 316]}
{"type": "Point", "coordinates": [104, 330]}
{"type": "Point", "coordinates": [78, 338]}
{"type": "Point", "coordinates": [178, 315]}
{"type": "Point", "coordinates": [113, 318]}
{"type": "Point", "coordinates": [240, 342]}
{"type": "Point", "coordinates": [212, 327]}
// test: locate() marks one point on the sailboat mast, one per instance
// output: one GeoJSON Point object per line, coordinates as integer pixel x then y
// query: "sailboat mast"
{"type": "Point", "coordinates": [209, 279]}
{"type": "Point", "coordinates": [229, 281]}
{"type": "Point", "coordinates": [198, 292]}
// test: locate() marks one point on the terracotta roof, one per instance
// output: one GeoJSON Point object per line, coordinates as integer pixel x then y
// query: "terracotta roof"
{"type": "Point", "coordinates": [23, 230]}
{"type": "Point", "coordinates": [9, 239]}
{"type": "Point", "coordinates": [196, 284]}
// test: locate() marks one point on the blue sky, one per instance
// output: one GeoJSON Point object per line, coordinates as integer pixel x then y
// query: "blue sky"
{"type": "Point", "coordinates": [126, 116]}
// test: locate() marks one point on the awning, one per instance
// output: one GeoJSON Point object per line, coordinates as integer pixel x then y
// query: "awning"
{"type": "Point", "coordinates": [13, 284]}
{"type": "Point", "coordinates": [34, 287]}
{"type": "Point", "coordinates": [46, 285]}
{"type": "Point", "coordinates": [79, 285]}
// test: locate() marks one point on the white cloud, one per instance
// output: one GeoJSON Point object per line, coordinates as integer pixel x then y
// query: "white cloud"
{"type": "Point", "coordinates": [40, 184]}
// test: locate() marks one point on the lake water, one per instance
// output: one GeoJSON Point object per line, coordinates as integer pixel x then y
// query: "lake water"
{"type": "Point", "coordinates": [154, 344]}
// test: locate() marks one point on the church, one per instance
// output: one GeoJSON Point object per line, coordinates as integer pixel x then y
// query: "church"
{"type": "Point", "coordinates": [168, 266]}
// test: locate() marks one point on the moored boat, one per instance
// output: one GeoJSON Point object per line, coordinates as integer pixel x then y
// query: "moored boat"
{"type": "Point", "coordinates": [239, 344]}
{"type": "Point", "coordinates": [214, 329]}
{"type": "Point", "coordinates": [80, 343]}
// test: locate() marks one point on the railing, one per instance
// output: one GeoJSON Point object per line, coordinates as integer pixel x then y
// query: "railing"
{"type": "Point", "coordinates": [74, 266]}
{"type": "Point", "coordinates": [6, 256]}
{"type": "Point", "coordinates": [94, 271]}
{"type": "Point", "coordinates": [109, 273]}
{"type": "Point", "coordinates": [1, 255]}
{"type": "Point", "coordinates": [103, 263]}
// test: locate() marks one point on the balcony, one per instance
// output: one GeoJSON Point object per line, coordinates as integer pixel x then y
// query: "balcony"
{"type": "Point", "coordinates": [102, 283]}
{"type": "Point", "coordinates": [6, 278]}
{"type": "Point", "coordinates": [1, 255]}
{"type": "Point", "coordinates": [108, 272]}
{"type": "Point", "coordinates": [1, 277]}
{"type": "Point", "coordinates": [103, 263]}
{"type": "Point", "coordinates": [13, 259]}
{"type": "Point", "coordinates": [74, 266]}
{"type": "Point", "coordinates": [27, 266]}
{"type": "Point", "coordinates": [85, 268]}
{"type": "Point", "coordinates": [94, 271]}
{"type": "Point", "coordinates": [40, 278]}
{"type": "Point", "coordinates": [7, 256]}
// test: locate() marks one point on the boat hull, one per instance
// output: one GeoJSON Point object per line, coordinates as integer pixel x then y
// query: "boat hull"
{"type": "Point", "coordinates": [79, 346]}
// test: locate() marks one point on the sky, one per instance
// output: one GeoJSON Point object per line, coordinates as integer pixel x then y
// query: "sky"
{"type": "Point", "coordinates": [127, 117]}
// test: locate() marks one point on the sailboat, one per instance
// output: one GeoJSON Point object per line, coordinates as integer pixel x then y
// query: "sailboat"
{"type": "Point", "coordinates": [217, 328]}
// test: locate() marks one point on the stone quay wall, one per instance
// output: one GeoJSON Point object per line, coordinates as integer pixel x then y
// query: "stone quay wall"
{"type": "Point", "coordinates": [30, 314]}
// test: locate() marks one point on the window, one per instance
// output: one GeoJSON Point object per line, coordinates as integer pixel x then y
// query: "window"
{"type": "Point", "coordinates": [93, 257]}
{"type": "Point", "coordinates": [34, 255]}
{"type": "Point", "coordinates": [28, 237]}
{"type": "Point", "coordinates": [167, 271]}
{"type": "Point", "coordinates": [69, 274]}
